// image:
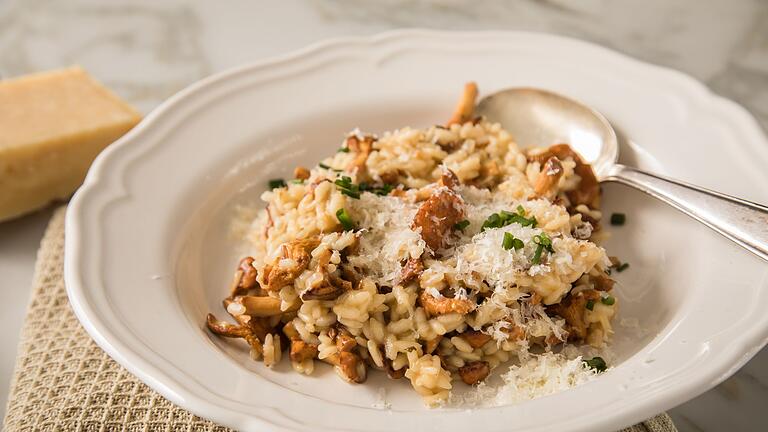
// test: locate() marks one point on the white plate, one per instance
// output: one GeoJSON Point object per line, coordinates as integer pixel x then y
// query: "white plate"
{"type": "Point", "coordinates": [147, 252]}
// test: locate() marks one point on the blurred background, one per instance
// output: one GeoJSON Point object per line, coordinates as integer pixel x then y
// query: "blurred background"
{"type": "Point", "coordinates": [146, 51]}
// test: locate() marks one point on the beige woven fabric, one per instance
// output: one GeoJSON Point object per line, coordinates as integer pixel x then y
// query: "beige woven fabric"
{"type": "Point", "coordinates": [64, 382]}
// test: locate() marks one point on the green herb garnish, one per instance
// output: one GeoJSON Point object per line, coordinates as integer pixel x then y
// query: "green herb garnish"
{"type": "Point", "coordinates": [350, 189]}
{"type": "Point", "coordinates": [382, 190]}
{"type": "Point", "coordinates": [343, 150]}
{"type": "Point", "coordinates": [608, 300]}
{"type": "Point", "coordinates": [276, 183]}
{"type": "Point", "coordinates": [461, 225]}
{"type": "Point", "coordinates": [596, 363]}
{"type": "Point", "coordinates": [618, 218]}
{"type": "Point", "coordinates": [622, 267]}
{"type": "Point", "coordinates": [345, 219]}
{"type": "Point", "coordinates": [504, 218]}
{"type": "Point", "coordinates": [297, 181]}
{"type": "Point", "coordinates": [542, 242]}
{"type": "Point", "coordinates": [347, 187]}
{"type": "Point", "coordinates": [324, 166]}
{"type": "Point", "coordinates": [591, 304]}
{"type": "Point", "coordinates": [510, 242]}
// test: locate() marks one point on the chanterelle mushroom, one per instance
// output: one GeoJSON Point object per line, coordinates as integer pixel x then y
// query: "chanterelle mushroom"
{"type": "Point", "coordinates": [301, 350]}
{"type": "Point", "coordinates": [475, 338]}
{"type": "Point", "coordinates": [245, 277]}
{"type": "Point", "coordinates": [574, 308]}
{"type": "Point", "coordinates": [293, 259]}
{"type": "Point", "coordinates": [410, 271]}
{"type": "Point", "coordinates": [444, 305]}
{"type": "Point", "coordinates": [465, 108]}
{"type": "Point", "coordinates": [327, 287]}
{"type": "Point", "coordinates": [551, 172]}
{"type": "Point", "coordinates": [588, 191]}
{"type": "Point", "coordinates": [223, 328]}
{"type": "Point", "coordinates": [474, 372]}
{"type": "Point", "coordinates": [351, 367]}
{"type": "Point", "coordinates": [362, 147]}
{"type": "Point", "coordinates": [437, 215]}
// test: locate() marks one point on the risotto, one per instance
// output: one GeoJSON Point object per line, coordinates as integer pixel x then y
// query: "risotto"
{"type": "Point", "coordinates": [434, 255]}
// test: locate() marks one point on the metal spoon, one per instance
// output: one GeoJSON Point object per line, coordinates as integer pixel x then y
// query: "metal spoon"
{"type": "Point", "coordinates": [540, 118]}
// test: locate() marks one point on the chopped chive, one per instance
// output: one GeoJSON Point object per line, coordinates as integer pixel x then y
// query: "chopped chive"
{"type": "Point", "coordinates": [622, 267]}
{"type": "Point", "coordinates": [608, 300]}
{"type": "Point", "coordinates": [297, 181]}
{"type": "Point", "coordinates": [537, 255]}
{"type": "Point", "coordinates": [324, 166]}
{"type": "Point", "coordinates": [276, 183]}
{"type": "Point", "coordinates": [520, 210]}
{"type": "Point", "coordinates": [347, 187]}
{"type": "Point", "coordinates": [618, 218]}
{"type": "Point", "coordinates": [504, 218]}
{"type": "Point", "coordinates": [350, 189]}
{"type": "Point", "coordinates": [343, 150]}
{"type": "Point", "coordinates": [385, 189]}
{"type": "Point", "coordinates": [461, 225]}
{"type": "Point", "coordinates": [351, 193]}
{"type": "Point", "coordinates": [542, 242]}
{"type": "Point", "coordinates": [345, 219]}
{"type": "Point", "coordinates": [596, 363]}
{"type": "Point", "coordinates": [591, 304]}
{"type": "Point", "coordinates": [508, 241]}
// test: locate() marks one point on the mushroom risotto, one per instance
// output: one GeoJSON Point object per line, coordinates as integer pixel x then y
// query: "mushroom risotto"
{"type": "Point", "coordinates": [431, 254]}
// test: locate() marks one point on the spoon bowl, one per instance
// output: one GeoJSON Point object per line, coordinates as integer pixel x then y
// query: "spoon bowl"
{"type": "Point", "coordinates": [538, 117]}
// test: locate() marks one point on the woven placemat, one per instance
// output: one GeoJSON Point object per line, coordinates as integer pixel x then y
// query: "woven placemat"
{"type": "Point", "coordinates": [64, 382]}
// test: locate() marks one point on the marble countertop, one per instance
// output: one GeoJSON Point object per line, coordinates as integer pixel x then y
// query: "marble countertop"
{"type": "Point", "coordinates": [147, 50]}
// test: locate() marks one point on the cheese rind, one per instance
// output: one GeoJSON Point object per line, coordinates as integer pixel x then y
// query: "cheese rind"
{"type": "Point", "coordinates": [52, 126]}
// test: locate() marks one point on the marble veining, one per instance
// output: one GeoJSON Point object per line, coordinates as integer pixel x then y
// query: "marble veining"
{"type": "Point", "coordinates": [147, 50]}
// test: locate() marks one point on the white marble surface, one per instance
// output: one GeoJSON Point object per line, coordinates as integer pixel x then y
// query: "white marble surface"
{"type": "Point", "coordinates": [147, 50]}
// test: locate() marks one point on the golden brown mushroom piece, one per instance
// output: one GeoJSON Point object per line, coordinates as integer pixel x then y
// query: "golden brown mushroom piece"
{"type": "Point", "coordinates": [410, 271]}
{"type": "Point", "coordinates": [573, 309]}
{"type": "Point", "coordinates": [602, 282]}
{"type": "Point", "coordinates": [362, 148]}
{"type": "Point", "coordinates": [244, 278]}
{"type": "Point", "coordinates": [549, 176]}
{"type": "Point", "coordinates": [436, 217]}
{"type": "Point", "coordinates": [344, 341]}
{"type": "Point", "coordinates": [444, 305]}
{"type": "Point", "coordinates": [300, 350]}
{"type": "Point", "coordinates": [301, 173]}
{"type": "Point", "coordinates": [257, 306]}
{"type": "Point", "coordinates": [327, 288]}
{"type": "Point", "coordinates": [474, 372]}
{"type": "Point", "coordinates": [449, 179]}
{"type": "Point", "coordinates": [465, 108]}
{"type": "Point", "coordinates": [246, 332]}
{"type": "Point", "coordinates": [432, 344]}
{"type": "Point", "coordinates": [588, 191]}
{"type": "Point", "coordinates": [475, 338]}
{"type": "Point", "coordinates": [293, 259]}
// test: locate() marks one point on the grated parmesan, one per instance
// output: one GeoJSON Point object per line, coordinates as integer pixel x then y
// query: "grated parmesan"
{"type": "Point", "coordinates": [540, 375]}
{"type": "Point", "coordinates": [386, 237]}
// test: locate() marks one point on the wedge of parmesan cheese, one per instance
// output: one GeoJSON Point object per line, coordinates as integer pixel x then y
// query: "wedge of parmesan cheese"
{"type": "Point", "coordinates": [52, 126]}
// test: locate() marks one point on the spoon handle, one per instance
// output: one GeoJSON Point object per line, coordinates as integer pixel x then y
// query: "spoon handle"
{"type": "Point", "coordinates": [744, 222]}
